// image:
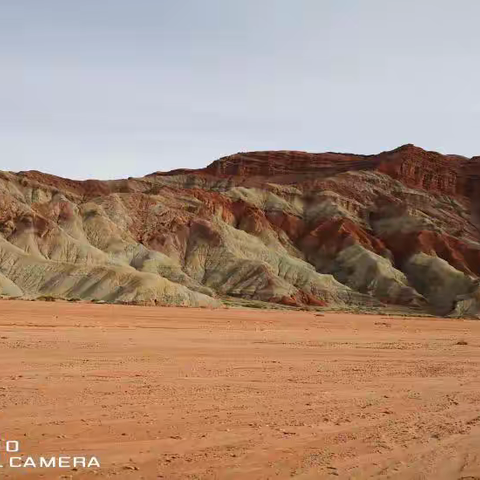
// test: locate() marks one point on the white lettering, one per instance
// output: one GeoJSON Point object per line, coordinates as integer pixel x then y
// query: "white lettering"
{"type": "Point", "coordinates": [47, 462]}
{"type": "Point", "coordinates": [12, 446]}
{"type": "Point", "coordinates": [79, 462]}
{"type": "Point", "coordinates": [29, 462]}
{"type": "Point", "coordinates": [64, 462]}
{"type": "Point", "coordinates": [54, 462]}
{"type": "Point", "coordinates": [12, 461]}
{"type": "Point", "coordinates": [93, 462]}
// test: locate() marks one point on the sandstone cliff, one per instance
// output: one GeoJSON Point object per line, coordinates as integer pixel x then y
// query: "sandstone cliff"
{"type": "Point", "coordinates": [293, 228]}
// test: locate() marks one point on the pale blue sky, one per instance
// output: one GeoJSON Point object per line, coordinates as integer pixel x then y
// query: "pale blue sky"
{"type": "Point", "coordinates": [117, 88]}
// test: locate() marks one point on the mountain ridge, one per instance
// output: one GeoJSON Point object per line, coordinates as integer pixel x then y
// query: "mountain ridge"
{"type": "Point", "coordinates": [295, 228]}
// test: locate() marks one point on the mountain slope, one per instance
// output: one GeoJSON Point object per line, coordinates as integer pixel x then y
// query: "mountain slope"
{"type": "Point", "coordinates": [294, 228]}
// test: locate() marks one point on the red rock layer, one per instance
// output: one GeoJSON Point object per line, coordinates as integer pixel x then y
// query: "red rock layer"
{"type": "Point", "coordinates": [413, 166]}
{"type": "Point", "coordinates": [310, 206]}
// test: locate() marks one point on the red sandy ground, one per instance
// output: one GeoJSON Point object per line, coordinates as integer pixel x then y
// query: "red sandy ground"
{"type": "Point", "coordinates": [234, 394]}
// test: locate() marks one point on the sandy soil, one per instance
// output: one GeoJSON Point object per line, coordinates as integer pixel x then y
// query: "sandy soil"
{"type": "Point", "coordinates": [234, 394]}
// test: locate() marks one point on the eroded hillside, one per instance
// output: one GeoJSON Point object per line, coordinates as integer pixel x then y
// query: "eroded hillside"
{"type": "Point", "coordinates": [293, 228]}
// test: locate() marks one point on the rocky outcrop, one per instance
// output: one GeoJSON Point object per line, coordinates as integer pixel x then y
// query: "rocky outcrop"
{"type": "Point", "coordinates": [294, 228]}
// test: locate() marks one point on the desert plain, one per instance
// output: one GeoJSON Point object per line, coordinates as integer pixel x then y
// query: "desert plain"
{"type": "Point", "coordinates": [193, 393]}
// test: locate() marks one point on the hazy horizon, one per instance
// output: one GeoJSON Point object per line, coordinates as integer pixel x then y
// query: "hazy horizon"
{"type": "Point", "coordinates": [119, 88]}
